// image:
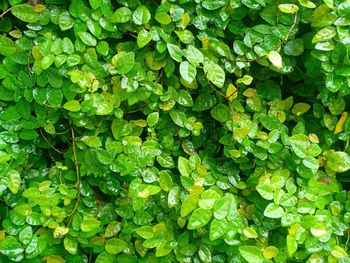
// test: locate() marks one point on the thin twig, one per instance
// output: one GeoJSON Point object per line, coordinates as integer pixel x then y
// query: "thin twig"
{"type": "Point", "coordinates": [276, 47]}
{"type": "Point", "coordinates": [47, 141]}
{"type": "Point", "coordinates": [77, 172]}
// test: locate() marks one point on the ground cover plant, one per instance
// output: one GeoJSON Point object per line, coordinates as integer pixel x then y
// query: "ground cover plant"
{"type": "Point", "coordinates": [174, 131]}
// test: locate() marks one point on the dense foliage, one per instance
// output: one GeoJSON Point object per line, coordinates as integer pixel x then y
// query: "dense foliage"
{"type": "Point", "coordinates": [174, 131]}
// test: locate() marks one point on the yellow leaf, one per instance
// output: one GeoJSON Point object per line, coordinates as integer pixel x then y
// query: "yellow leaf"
{"type": "Point", "coordinates": [54, 259]}
{"type": "Point", "coordinates": [313, 138]}
{"type": "Point", "coordinates": [2, 234]}
{"type": "Point", "coordinates": [39, 8]}
{"type": "Point", "coordinates": [270, 252]}
{"type": "Point", "coordinates": [293, 229]}
{"type": "Point", "coordinates": [231, 92]}
{"type": "Point", "coordinates": [340, 125]}
{"type": "Point", "coordinates": [205, 42]}
{"type": "Point", "coordinates": [185, 19]}
{"type": "Point", "coordinates": [250, 93]}
{"type": "Point", "coordinates": [300, 108]}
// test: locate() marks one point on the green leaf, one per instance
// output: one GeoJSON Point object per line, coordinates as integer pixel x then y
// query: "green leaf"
{"type": "Point", "coordinates": [187, 71]}
{"type": "Point", "coordinates": [141, 15]}
{"type": "Point", "coordinates": [175, 52]}
{"type": "Point", "coordinates": [218, 228]}
{"type": "Point", "coordinates": [122, 15]}
{"type": "Point", "coordinates": [163, 18]}
{"type": "Point", "coordinates": [10, 247]}
{"type": "Point", "coordinates": [324, 34]}
{"type": "Point", "coordinates": [292, 245]}
{"type": "Point", "coordinates": [152, 119]}
{"type": "Point", "coordinates": [71, 245]}
{"type": "Point", "coordinates": [300, 143]}
{"type": "Point", "coordinates": [294, 47]}
{"type": "Point", "coordinates": [24, 209]}
{"type": "Point", "coordinates": [273, 211]}
{"type": "Point", "coordinates": [7, 46]}
{"type": "Point", "coordinates": [72, 105]}
{"type": "Point", "coordinates": [89, 224]}
{"type": "Point", "coordinates": [199, 218]}
{"type": "Point", "coordinates": [124, 62]}
{"type": "Point", "coordinates": [92, 141]}
{"type": "Point", "coordinates": [250, 232]}
{"type": "Point", "coordinates": [338, 162]}
{"type": "Point", "coordinates": [220, 112]}
{"type": "Point", "coordinates": [215, 74]}
{"type": "Point", "coordinates": [26, 13]}
{"type": "Point", "coordinates": [87, 38]}
{"type": "Point", "coordinates": [14, 181]}
{"type": "Point", "coordinates": [115, 245]}
{"type": "Point", "coordinates": [252, 254]}
{"type": "Point", "coordinates": [189, 204]}
{"type": "Point", "coordinates": [165, 180]}
{"type": "Point", "coordinates": [184, 166]}
{"type": "Point", "coordinates": [193, 55]}
{"type": "Point", "coordinates": [143, 38]}
{"type": "Point", "coordinates": [165, 161]}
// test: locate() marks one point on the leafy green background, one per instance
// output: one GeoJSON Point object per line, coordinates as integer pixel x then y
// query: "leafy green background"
{"type": "Point", "coordinates": [174, 131]}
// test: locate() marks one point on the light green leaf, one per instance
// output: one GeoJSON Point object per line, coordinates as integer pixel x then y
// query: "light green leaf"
{"type": "Point", "coordinates": [90, 224]}
{"type": "Point", "coordinates": [199, 218]}
{"type": "Point", "coordinates": [152, 119]}
{"type": "Point", "coordinates": [71, 245]}
{"type": "Point", "coordinates": [121, 15]}
{"type": "Point", "coordinates": [292, 245]}
{"type": "Point", "coordinates": [26, 13]}
{"type": "Point", "coordinates": [187, 71]}
{"type": "Point", "coordinates": [193, 55]}
{"type": "Point", "coordinates": [141, 15]}
{"type": "Point", "coordinates": [92, 141]}
{"type": "Point", "coordinates": [324, 34]}
{"type": "Point", "coordinates": [175, 52]}
{"type": "Point", "coordinates": [273, 211]}
{"type": "Point", "coordinates": [115, 246]}
{"type": "Point", "coordinates": [124, 62]}
{"type": "Point", "coordinates": [143, 38]}
{"type": "Point", "coordinates": [14, 181]}
{"type": "Point", "coordinates": [338, 162]}
{"type": "Point", "coordinates": [72, 105]}
{"type": "Point", "coordinates": [87, 38]}
{"type": "Point", "coordinates": [218, 228]}
{"type": "Point", "coordinates": [184, 166]}
{"type": "Point", "coordinates": [215, 74]}
{"type": "Point", "coordinates": [251, 253]}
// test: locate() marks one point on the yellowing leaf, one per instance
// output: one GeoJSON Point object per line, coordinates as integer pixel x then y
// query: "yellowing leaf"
{"type": "Point", "coordinates": [270, 252]}
{"type": "Point", "coordinates": [288, 8]}
{"type": "Point", "coordinates": [250, 93]}
{"type": "Point", "coordinates": [275, 58]}
{"type": "Point", "coordinates": [339, 252]}
{"type": "Point", "coordinates": [313, 138]}
{"type": "Point", "coordinates": [54, 259]}
{"type": "Point", "coordinates": [340, 125]}
{"type": "Point", "coordinates": [300, 108]}
{"type": "Point", "coordinates": [231, 92]}
{"type": "Point", "coordinates": [39, 8]}
{"type": "Point", "coordinates": [185, 19]}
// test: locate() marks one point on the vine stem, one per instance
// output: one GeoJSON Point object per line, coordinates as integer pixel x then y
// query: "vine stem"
{"type": "Point", "coordinates": [77, 171]}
